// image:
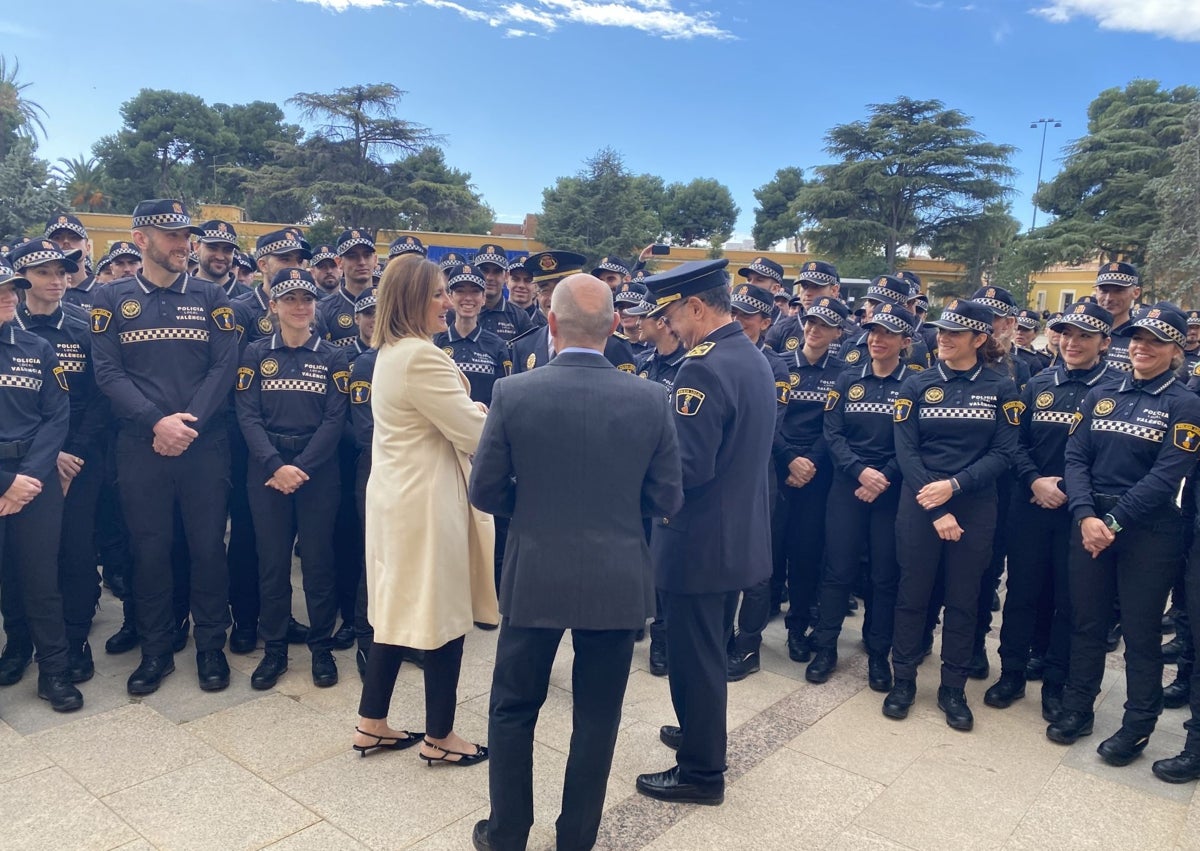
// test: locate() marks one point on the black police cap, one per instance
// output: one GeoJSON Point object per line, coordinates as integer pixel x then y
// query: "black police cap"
{"type": "Point", "coordinates": [686, 279]}
{"type": "Point", "coordinates": [164, 214]}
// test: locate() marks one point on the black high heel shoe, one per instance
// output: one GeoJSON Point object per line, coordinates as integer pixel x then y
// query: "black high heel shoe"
{"type": "Point", "coordinates": [480, 755]}
{"type": "Point", "coordinates": [391, 743]}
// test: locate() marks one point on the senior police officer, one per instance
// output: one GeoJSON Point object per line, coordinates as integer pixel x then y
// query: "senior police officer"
{"type": "Point", "coordinates": [215, 247]}
{"type": "Point", "coordinates": [719, 541]}
{"type": "Point", "coordinates": [497, 316]}
{"type": "Point", "coordinates": [34, 419]}
{"type": "Point", "coordinates": [1118, 286]}
{"type": "Point", "coordinates": [165, 353]}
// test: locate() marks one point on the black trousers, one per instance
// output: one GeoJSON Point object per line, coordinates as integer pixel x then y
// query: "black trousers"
{"type": "Point", "coordinates": [1140, 567]}
{"type": "Point", "coordinates": [111, 534]}
{"type": "Point", "coordinates": [441, 684]}
{"type": "Point", "coordinates": [278, 518]}
{"type": "Point", "coordinates": [804, 543]}
{"type": "Point", "coordinates": [349, 541]}
{"type": "Point", "coordinates": [755, 612]}
{"type": "Point", "coordinates": [699, 692]}
{"type": "Point", "coordinates": [1039, 541]}
{"type": "Point", "coordinates": [920, 552]}
{"type": "Point", "coordinates": [852, 528]}
{"type": "Point", "coordinates": [599, 674]}
{"type": "Point", "coordinates": [1192, 725]}
{"type": "Point", "coordinates": [29, 575]}
{"type": "Point", "coordinates": [78, 580]}
{"type": "Point", "coordinates": [151, 486]}
{"type": "Point", "coordinates": [363, 631]}
{"type": "Point", "coordinates": [243, 550]}
{"type": "Point", "coordinates": [990, 581]}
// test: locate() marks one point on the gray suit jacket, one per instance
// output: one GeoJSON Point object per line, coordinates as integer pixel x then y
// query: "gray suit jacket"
{"type": "Point", "coordinates": [577, 453]}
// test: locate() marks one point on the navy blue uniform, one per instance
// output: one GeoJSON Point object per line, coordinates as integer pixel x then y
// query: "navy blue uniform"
{"type": "Point", "coordinates": [720, 540]}
{"type": "Point", "coordinates": [1118, 348]}
{"type": "Point", "coordinates": [82, 295]}
{"type": "Point", "coordinates": [35, 416]}
{"type": "Point", "coordinates": [159, 351]}
{"type": "Point", "coordinates": [654, 366]}
{"type": "Point", "coordinates": [481, 356]}
{"type": "Point", "coordinates": [291, 405]}
{"type": "Point", "coordinates": [362, 427]}
{"type": "Point", "coordinates": [505, 320]}
{"type": "Point", "coordinates": [1128, 454]}
{"type": "Point", "coordinates": [802, 435]}
{"type": "Point", "coordinates": [1034, 360]}
{"type": "Point", "coordinates": [959, 426]}
{"type": "Point", "coordinates": [537, 319]}
{"type": "Point", "coordinates": [252, 316]}
{"type": "Point", "coordinates": [335, 317]}
{"type": "Point", "coordinates": [855, 353]}
{"type": "Point", "coordinates": [786, 335]}
{"type": "Point", "coordinates": [859, 435]}
{"type": "Point", "coordinates": [532, 350]}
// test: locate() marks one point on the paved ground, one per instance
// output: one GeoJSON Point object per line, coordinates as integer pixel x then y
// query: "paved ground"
{"type": "Point", "coordinates": [810, 767]}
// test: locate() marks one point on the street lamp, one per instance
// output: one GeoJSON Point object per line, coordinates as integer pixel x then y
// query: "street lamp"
{"type": "Point", "coordinates": [1045, 122]}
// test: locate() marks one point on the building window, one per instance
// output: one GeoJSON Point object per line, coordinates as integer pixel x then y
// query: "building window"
{"type": "Point", "coordinates": [1041, 300]}
{"type": "Point", "coordinates": [1068, 299]}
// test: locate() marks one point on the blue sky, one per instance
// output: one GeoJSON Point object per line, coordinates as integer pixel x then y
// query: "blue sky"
{"type": "Point", "coordinates": [526, 90]}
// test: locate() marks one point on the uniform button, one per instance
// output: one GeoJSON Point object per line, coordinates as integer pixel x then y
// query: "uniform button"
{"type": "Point", "coordinates": [666, 521]}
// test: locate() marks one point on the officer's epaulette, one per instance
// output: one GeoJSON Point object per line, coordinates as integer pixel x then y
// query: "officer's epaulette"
{"type": "Point", "coordinates": [620, 336]}
{"type": "Point", "coordinates": [524, 334]}
{"type": "Point", "coordinates": [701, 350]}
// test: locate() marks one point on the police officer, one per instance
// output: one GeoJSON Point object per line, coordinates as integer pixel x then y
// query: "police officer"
{"type": "Point", "coordinates": [325, 270]}
{"type": "Point", "coordinates": [479, 354]}
{"type": "Point", "coordinates": [34, 418]}
{"type": "Point", "coordinates": [81, 462]}
{"type": "Point", "coordinates": [279, 249]}
{"type": "Point", "coordinates": [450, 260]}
{"type": "Point", "coordinates": [803, 464]}
{"type": "Point", "coordinates": [1028, 322]}
{"type": "Point", "coordinates": [1038, 520]}
{"type": "Point", "coordinates": [534, 347]}
{"type": "Point", "coordinates": [362, 427]}
{"type": "Point", "coordinates": [522, 292]}
{"type": "Point", "coordinates": [356, 258]}
{"type": "Point", "coordinates": [244, 269]}
{"type": "Point", "coordinates": [215, 248]}
{"type": "Point", "coordinates": [864, 497]}
{"type": "Point", "coordinates": [718, 542]}
{"type": "Point", "coordinates": [291, 400]}
{"type": "Point", "coordinates": [104, 272]}
{"type": "Point", "coordinates": [884, 289]}
{"type": "Point", "coordinates": [165, 352]}
{"type": "Point", "coordinates": [627, 295]}
{"type": "Point", "coordinates": [406, 245]}
{"type": "Point", "coordinates": [124, 259]}
{"type": "Point", "coordinates": [68, 233]}
{"type": "Point", "coordinates": [498, 316]}
{"type": "Point", "coordinates": [955, 431]}
{"type": "Point", "coordinates": [1131, 448]}
{"type": "Point", "coordinates": [613, 271]}
{"type": "Point", "coordinates": [752, 307]}
{"type": "Point", "coordinates": [1118, 286]}
{"type": "Point", "coordinates": [1191, 349]}
{"type": "Point", "coordinates": [816, 280]}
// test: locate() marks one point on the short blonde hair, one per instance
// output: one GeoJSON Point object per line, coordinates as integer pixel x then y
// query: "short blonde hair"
{"type": "Point", "coordinates": [405, 291]}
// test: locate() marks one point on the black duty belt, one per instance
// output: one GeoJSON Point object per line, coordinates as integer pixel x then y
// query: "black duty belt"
{"type": "Point", "coordinates": [288, 443]}
{"type": "Point", "coordinates": [15, 449]}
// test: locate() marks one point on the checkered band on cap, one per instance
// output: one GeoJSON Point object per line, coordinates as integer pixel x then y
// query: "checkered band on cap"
{"type": "Point", "coordinates": [466, 275]}
{"type": "Point", "coordinates": [291, 285]}
{"type": "Point", "coordinates": [1193, 317]}
{"type": "Point", "coordinates": [166, 221]}
{"type": "Point", "coordinates": [1162, 330]}
{"type": "Point", "coordinates": [519, 263]}
{"type": "Point", "coordinates": [1082, 320]}
{"type": "Point", "coordinates": [1027, 322]}
{"type": "Point", "coordinates": [365, 302]}
{"type": "Point", "coordinates": [491, 254]}
{"type": "Point", "coordinates": [363, 238]}
{"type": "Point", "coordinates": [612, 264]}
{"type": "Point", "coordinates": [632, 297]}
{"type": "Point", "coordinates": [216, 235]}
{"type": "Point", "coordinates": [878, 293]}
{"type": "Point", "coordinates": [1119, 278]}
{"type": "Point", "coordinates": [65, 223]}
{"type": "Point", "coordinates": [36, 258]}
{"type": "Point", "coordinates": [826, 314]}
{"type": "Point", "coordinates": [891, 321]}
{"type": "Point", "coordinates": [753, 305]}
{"type": "Point", "coordinates": [123, 249]}
{"type": "Point", "coordinates": [6, 271]}
{"type": "Point", "coordinates": [969, 324]}
{"type": "Point", "coordinates": [321, 255]}
{"type": "Point", "coordinates": [279, 246]}
{"type": "Point", "coordinates": [765, 271]}
{"type": "Point", "coordinates": [406, 245]}
{"type": "Point", "coordinates": [816, 276]}
{"type": "Point", "coordinates": [1000, 308]}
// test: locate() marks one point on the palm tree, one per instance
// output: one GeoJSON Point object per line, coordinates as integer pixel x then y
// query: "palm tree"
{"type": "Point", "coordinates": [19, 116]}
{"type": "Point", "coordinates": [83, 182]}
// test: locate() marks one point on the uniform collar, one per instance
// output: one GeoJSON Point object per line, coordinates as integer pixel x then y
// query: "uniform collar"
{"type": "Point", "coordinates": [85, 286]}
{"type": "Point", "coordinates": [359, 346]}
{"type": "Point", "coordinates": [179, 285]}
{"type": "Point", "coordinates": [25, 318]}
{"type": "Point", "coordinates": [502, 306]}
{"type": "Point", "coordinates": [970, 375]}
{"type": "Point", "coordinates": [230, 285]}
{"type": "Point", "coordinates": [8, 333]}
{"type": "Point", "coordinates": [258, 295]}
{"type": "Point", "coordinates": [1154, 387]}
{"type": "Point", "coordinates": [1089, 378]}
{"type": "Point", "coordinates": [314, 342]}
{"type": "Point", "coordinates": [341, 290]}
{"type": "Point", "coordinates": [818, 365]}
{"type": "Point", "coordinates": [454, 336]}
{"type": "Point", "coordinates": [674, 358]}
{"type": "Point", "coordinates": [898, 373]}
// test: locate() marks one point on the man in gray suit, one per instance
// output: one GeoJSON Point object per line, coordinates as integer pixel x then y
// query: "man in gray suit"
{"type": "Point", "coordinates": [576, 454]}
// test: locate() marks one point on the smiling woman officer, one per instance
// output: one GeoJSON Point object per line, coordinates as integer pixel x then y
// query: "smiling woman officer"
{"type": "Point", "coordinates": [1129, 452]}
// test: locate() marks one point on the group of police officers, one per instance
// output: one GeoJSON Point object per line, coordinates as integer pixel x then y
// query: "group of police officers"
{"type": "Point", "coordinates": [189, 428]}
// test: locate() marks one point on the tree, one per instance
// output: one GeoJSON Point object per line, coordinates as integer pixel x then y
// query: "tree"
{"type": "Point", "coordinates": [437, 197]}
{"type": "Point", "coordinates": [249, 133]}
{"type": "Point", "coordinates": [83, 182]}
{"type": "Point", "coordinates": [912, 169]}
{"type": "Point", "coordinates": [977, 243]}
{"type": "Point", "coordinates": [20, 117]}
{"type": "Point", "coordinates": [1173, 252]}
{"type": "Point", "coordinates": [27, 195]}
{"type": "Point", "coordinates": [601, 210]}
{"type": "Point", "coordinates": [1103, 199]}
{"type": "Point", "coordinates": [774, 217]}
{"type": "Point", "coordinates": [700, 211]}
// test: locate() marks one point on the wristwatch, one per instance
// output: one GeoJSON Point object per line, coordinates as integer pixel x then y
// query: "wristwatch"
{"type": "Point", "coordinates": [1111, 523]}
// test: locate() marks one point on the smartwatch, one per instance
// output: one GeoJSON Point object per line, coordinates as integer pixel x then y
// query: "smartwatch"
{"type": "Point", "coordinates": [1111, 523]}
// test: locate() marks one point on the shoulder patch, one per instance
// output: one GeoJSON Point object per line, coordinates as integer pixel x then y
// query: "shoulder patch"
{"type": "Point", "coordinates": [626, 367]}
{"type": "Point", "coordinates": [699, 352]}
{"type": "Point", "coordinates": [100, 320]}
{"type": "Point", "coordinates": [1186, 437]}
{"type": "Point", "coordinates": [1196, 368]}
{"type": "Point", "coordinates": [1076, 419]}
{"type": "Point", "coordinates": [832, 399]}
{"type": "Point", "coordinates": [245, 376]}
{"type": "Point", "coordinates": [341, 380]}
{"type": "Point", "coordinates": [915, 367]}
{"type": "Point", "coordinates": [785, 391]}
{"type": "Point", "coordinates": [1012, 412]}
{"type": "Point", "coordinates": [223, 316]}
{"type": "Point", "coordinates": [688, 401]}
{"type": "Point", "coordinates": [903, 409]}
{"type": "Point", "coordinates": [360, 392]}
{"type": "Point", "coordinates": [60, 376]}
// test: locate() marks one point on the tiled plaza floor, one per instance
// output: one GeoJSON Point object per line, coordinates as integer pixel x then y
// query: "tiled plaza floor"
{"type": "Point", "coordinates": [810, 766]}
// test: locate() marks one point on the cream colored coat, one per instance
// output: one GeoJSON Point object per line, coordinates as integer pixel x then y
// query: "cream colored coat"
{"type": "Point", "coordinates": [429, 553]}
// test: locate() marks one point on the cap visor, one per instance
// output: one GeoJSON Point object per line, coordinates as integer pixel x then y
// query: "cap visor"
{"type": "Point", "coordinates": [17, 281]}
{"type": "Point", "coordinates": [814, 317]}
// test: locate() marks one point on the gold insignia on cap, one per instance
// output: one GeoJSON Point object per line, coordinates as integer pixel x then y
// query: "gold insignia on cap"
{"type": "Point", "coordinates": [743, 290]}
{"type": "Point", "coordinates": [856, 392]}
{"type": "Point", "coordinates": [62, 220]}
{"type": "Point", "coordinates": [887, 308]}
{"type": "Point", "coordinates": [757, 261]}
{"type": "Point", "coordinates": [952, 305]}
{"type": "Point", "coordinates": [49, 246]}
{"type": "Point", "coordinates": [548, 263]}
{"type": "Point", "coordinates": [1113, 267]}
{"type": "Point", "coordinates": [823, 302]}
{"type": "Point", "coordinates": [466, 270]}
{"type": "Point", "coordinates": [295, 276]}
{"type": "Point", "coordinates": [934, 395]}
{"type": "Point", "coordinates": [408, 240]}
{"type": "Point", "coordinates": [603, 260]}
{"type": "Point", "coordinates": [1154, 314]}
{"type": "Point", "coordinates": [1080, 308]}
{"type": "Point", "coordinates": [222, 228]}
{"type": "Point", "coordinates": [1104, 407]}
{"type": "Point", "coordinates": [811, 267]}
{"type": "Point", "coordinates": [1044, 400]}
{"type": "Point", "coordinates": [991, 293]}
{"type": "Point", "coordinates": [178, 208]}
{"type": "Point", "coordinates": [354, 234]}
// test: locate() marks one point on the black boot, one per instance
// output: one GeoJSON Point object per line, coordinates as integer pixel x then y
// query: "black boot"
{"type": "Point", "coordinates": [1179, 693]}
{"type": "Point", "coordinates": [739, 665]}
{"type": "Point", "coordinates": [658, 657]}
{"type": "Point", "coordinates": [243, 638]}
{"type": "Point", "coordinates": [797, 645]}
{"type": "Point", "coordinates": [879, 672]}
{"type": "Point", "coordinates": [80, 667]}
{"type": "Point", "coordinates": [1123, 747]}
{"type": "Point", "coordinates": [823, 665]}
{"type": "Point", "coordinates": [343, 639]}
{"type": "Point", "coordinates": [13, 662]}
{"type": "Point", "coordinates": [1070, 727]}
{"type": "Point", "coordinates": [900, 698]}
{"type": "Point", "coordinates": [1173, 649]}
{"type": "Point", "coordinates": [324, 669]}
{"type": "Point", "coordinates": [953, 701]}
{"type": "Point", "coordinates": [1010, 687]}
{"type": "Point", "coordinates": [979, 669]}
{"type": "Point", "coordinates": [273, 666]}
{"type": "Point", "coordinates": [212, 670]}
{"type": "Point", "coordinates": [58, 689]}
{"type": "Point", "coordinates": [148, 676]}
{"type": "Point", "coordinates": [1052, 701]}
{"type": "Point", "coordinates": [297, 633]}
{"type": "Point", "coordinates": [1035, 668]}
{"type": "Point", "coordinates": [1178, 769]}
{"type": "Point", "coordinates": [1113, 639]}
{"type": "Point", "coordinates": [124, 639]}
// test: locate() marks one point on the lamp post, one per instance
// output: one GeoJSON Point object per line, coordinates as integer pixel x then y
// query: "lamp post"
{"type": "Point", "coordinates": [1045, 122]}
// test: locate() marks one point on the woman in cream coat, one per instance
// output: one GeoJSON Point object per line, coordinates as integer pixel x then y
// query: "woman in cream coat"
{"type": "Point", "coordinates": [428, 552]}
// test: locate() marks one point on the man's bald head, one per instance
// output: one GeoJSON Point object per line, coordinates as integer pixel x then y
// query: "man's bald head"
{"type": "Point", "coordinates": [581, 313]}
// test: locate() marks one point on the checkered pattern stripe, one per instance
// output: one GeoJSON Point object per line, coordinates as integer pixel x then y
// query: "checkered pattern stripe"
{"type": "Point", "coordinates": [966, 322]}
{"type": "Point", "coordinates": [33, 258]}
{"type": "Point", "coordinates": [23, 382]}
{"type": "Point", "coordinates": [828, 316]}
{"type": "Point", "coordinates": [1117, 278]}
{"type": "Point", "coordinates": [353, 242]}
{"type": "Point", "coordinates": [158, 220]}
{"type": "Point", "coordinates": [995, 305]}
{"type": "Point", "coordinates": [1084, 321]}
{"type": "Point", "coordinates": [496, 259]}
{"type": "Point", "coordinates": [364, 303]}
{"type": "Point", "coordinates": [73, 365]}
{"type": "Point", "coordinates": [301, 385]}
{"type": "Point", "coordinates": [6, 271]}
{"type": "Point", "coordinates": [893, 322]}
{"type": "Point", "coordinates": [608, 266]}
{"type": "Point", "coordinates": [1154, 435]}
{"type": "Point", "coordinates": [278, 247]}
{"type": "Point", "coordinates": [821, 279]}
{"type": "Point", "coordinates": [882, 408]}
{"type": "Point", "coordinates": [343, 342]}
{"type": "Point", "coordinates": [478, 368]}
{"type": "Point", "coordinates": [1163, 328]}
{"type": "Point", "coordinates": [755, 305]}
{"type": "Point", "coordinates": [1027, 322]}
{"type": "Point", "coordinates": [78, 230]}
{"type": "Point", "coordinates": [466, 278]}
{"type": "Point", "coordinates": [218, 236]}
{"type": "Point", "coordinates": [153, 335]}
{"type": "Point", "coordinates": [322, 255]}
{"type": "Point", "coordinates": [958, 413]}
{"type": "Point", "coordinates": [1055, 417]}
{"type": "Point", "coordinates": [766, 272]}
{"type": "Point", "coordinates": [406, 248]}
{"type": "Point", "coordinates": [810, 396]}
{"type": "Point", "coordinates": [883, 294]}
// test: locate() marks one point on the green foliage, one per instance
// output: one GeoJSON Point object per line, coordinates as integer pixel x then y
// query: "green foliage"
{"type": "Point", "coordinates": [1173, 252]}
{"type": "Point", "coordinates": [862, 265]}
{"type": "Point", "coordinates": [909, 171]}
{"type": "Point", "coordinates": [774, 217]}
{"type": "Point", "coordinates": [82, 180]}
{"type": "Point", "coordinates": [696, 212]}
{"type": "Point", "coordinates": [20, 117]}
{"type": "Point", "coordinates": [436, 197]}
{"type": "Point", "coordinates": [1104, 197]}
{"type": "Point", "coordinates": [977, 243]}
{"type": "Point", "coordinates": [27, 195]}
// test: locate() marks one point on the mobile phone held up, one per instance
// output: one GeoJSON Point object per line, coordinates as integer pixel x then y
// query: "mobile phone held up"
{"type": "Point", "coordinates": [660, 249]}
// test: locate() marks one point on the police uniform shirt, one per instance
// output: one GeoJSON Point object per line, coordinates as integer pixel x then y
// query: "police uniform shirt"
{"type": "Point", "coordinates": [82, 294]}
{"type": "Point", "coordinates": [253, 319]}
{"type": "Point", "coordinates": [35, 411]}
{"type": "Point", "coordinates": [858, 421]}
{"type": "Point", "coordinates": [1118, 349]}
{"type": "Point", "coordinates": [1191, 360]}
{"type": "Point", "coordinates": [293, 399]}
{"type": "Point", "coordinates": [1052, 399]}
{"type": "Point", "coordinates": [787, 335]}
{"type": "Point", "coordinates": [481, 356]}
{"type": "Point", "coordinates": [1015, 368]}
{"type": "Point", "coordinates": [654, 366]}
{"type": "Point", "coordinates": [1138, 441]}
{"type": "Point", "coordinates": [857, 354]}
{"type": "Point", "coordinates": [537, 319]}
{"type": "Point", "coordinates": [532, 349]}
{"type": "Point", "coordinates": [783, 387]}
{"type": "Point", "coordinates": [234, 289]}
{"type": "Point", "coordinates": [336, 315]}
{"type": "Point", "coordinates": [505, 320]}
{"type": "Point", "coordinates": [357, 349]}
{"type": "Point", "coordinates": [808, 391]}
{"type": "Point", "coordinates": [362, 421]}
{"type": "Point", "coordinates": [70, 335]}
{"type": "Point", "coordinates": [1034, 360]}
{"type": "Point", "coordinates": [960, 425]}
{"type": "Point", "coordinates": [164, 350]}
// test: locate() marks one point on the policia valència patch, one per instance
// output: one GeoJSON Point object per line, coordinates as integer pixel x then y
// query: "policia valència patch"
{"type": "Point", "coordinates": [903, 409]}
{"type": "Point", "coordinates": [100, 320]}
{"type": "Point", "coordinates": [245, 376]}
{"type": "Point", "coordinates": [1013, 411]}
{"type": "Point", "coordinates": [1186, 437]}
{"type": "Point", "coordinates": [360, 392]}
{"type": "Point", "coordinates": [688, 401]}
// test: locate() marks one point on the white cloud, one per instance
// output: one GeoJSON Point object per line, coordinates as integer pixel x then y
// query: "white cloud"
{"type": "Point", "coordinates": [470, 14]}
{"type": "Point", "coordinates": [657, 18]}
{"type": "Point", "coordinates": [18, 31]}
{"type": "Point", "coordinates": [521, 12]}
{"type": "Point", "coordinates": [515, 33]}
{"type": "Point", "coordinates": [1176, 19]}
{"type": "Point", "coordinates": [343, 5]}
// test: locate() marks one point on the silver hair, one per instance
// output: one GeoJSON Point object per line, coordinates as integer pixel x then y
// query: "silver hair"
{"type": "Point", "coordinates": [578, 325]}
